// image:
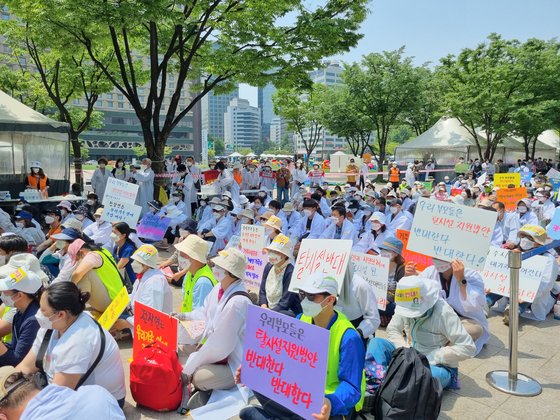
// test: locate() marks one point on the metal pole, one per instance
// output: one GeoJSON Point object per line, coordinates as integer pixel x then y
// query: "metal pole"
{"type": "Point", "coordinates": [512, 382]}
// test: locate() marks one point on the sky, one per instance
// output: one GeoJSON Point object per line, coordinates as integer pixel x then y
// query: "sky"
{"type": "Point", "coordinates": [431, 29]}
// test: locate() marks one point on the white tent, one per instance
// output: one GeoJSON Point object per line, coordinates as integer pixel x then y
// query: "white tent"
{"type": "Point", "coordinates": [550, 138]}
{"type": "Point", "coordinates": [235, 155]}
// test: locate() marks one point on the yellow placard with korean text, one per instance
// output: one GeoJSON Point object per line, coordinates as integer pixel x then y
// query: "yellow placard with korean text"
{"type": "Point", "coordinates": [115, 309]}
{"type": "Point", "coordinates": [507, 179]}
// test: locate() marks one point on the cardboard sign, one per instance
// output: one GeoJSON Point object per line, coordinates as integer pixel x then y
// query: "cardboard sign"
{"type": "Point", "coordinates": [120, 192]}
{"type": "Point", "coordinates": [285, 359]}
{"type": "Point", "coordinates": [505, 180]}
{"type": "Point", "coordinates": [153, 227]}
{"type": "Point", "coordinates": [116, 211]}
{"type": "Point", "coordinates": [510, 196]}
{"type": "Point", "coordinates": [553, 229]}
{"type": "Point", "coordinates": [526, 177]}
{"type": "Point", "coordinates": [253, 237]}
{"type": "Point", "coordinates": [553, 173]}
{"type": "Point", "coordinates": [422, 261]}
{"type": "Point", "coordinates": [496, 274]}
{"type": "Point", "coordinates": [330, 256]}
{"type": "Point", "coordinates": [375, 270]}
{"type": "Point", "coordinates": [151, 325]}
{"type": "Point", "coordinates": [427, 185]}
{"type": "Point", "coordinates": [253, 240]}
{"type": "Point", "coordinates": [450, 231]}
{"type": "Point", "coordinates": [115, 309]}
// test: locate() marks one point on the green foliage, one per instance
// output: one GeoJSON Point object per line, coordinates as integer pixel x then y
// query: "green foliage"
{"type": "Point", "coordinates": [21, 85]}
{"type": "Point", "coordinates": [211, 154]}
{"type": "Point", "coordinates": [426, 108]}
{"type": "Point", "coordinates": [245, 150]}
{"type": "Point", "coordinates": [219, 147]}
{"type": "Point", "coordinates": [287, 144]}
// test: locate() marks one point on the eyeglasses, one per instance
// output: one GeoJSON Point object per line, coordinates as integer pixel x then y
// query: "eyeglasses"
{"type": "Point", "coordinates": [309, 296]}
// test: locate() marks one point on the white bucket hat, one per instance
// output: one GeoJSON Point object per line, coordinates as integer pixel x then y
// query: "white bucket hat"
{"type": "Point", "coordinates": [233, 261]}
{"type": "Point", "coordinates": [243, 200]}
{"type": "Point", "coordinates": [288, 207]}
{"type": "Point", "coordinates": [35, 164]}
{"type": "Point", "coordinates": [415, 295]}
{"type": "Point", "coordinates": [147, 255]}
{"type": "Point", "coordinates": [195, 247]}
{"type": "Point", "coordinates": [28, 262]}
{"type": "Point", "coordinates": [283, 245]}
{"type": "Point", "coordinates": [21, 280]}
{"type": "Point", "coordinates": [379, 217]}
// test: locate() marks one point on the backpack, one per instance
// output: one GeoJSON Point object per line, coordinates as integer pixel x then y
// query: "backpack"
{"type": "Point", "coordinates": [409, 391]}
{"type": "Point", "coordinates": [155, 378]}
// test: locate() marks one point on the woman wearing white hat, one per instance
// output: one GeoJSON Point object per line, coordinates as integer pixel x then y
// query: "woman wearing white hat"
{"type": "Point", "coordinates": [274, 293]}
{"type": "Point", "coordinates": [376, 236]}
{"type": "Point", "coordinates": [225, 312]}
{"type": "Point", "coordinates": [37, 179]}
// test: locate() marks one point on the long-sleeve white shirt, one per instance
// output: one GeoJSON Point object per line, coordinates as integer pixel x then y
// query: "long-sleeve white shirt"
{"type": "Point", "coordinates": [361, 303]}
{"type": "Point", "coordinates": [99, 233]}
{"type": "Point", "coordinates": [152, 290]}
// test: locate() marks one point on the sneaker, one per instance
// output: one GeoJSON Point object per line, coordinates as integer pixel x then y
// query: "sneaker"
{"type": "Point", "coordinates": [198, 399]}
{"type": "Point", "coordinates": [506, 315]}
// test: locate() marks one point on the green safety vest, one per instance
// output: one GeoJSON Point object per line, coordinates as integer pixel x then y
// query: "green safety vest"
{"type": "Point", "coordinates": [189, 283]}
{"type": "Point", "coordinates": [337, 330]}
{"type": "Point", "coordinates": [109, 274]}
{"type": "Point", "coordinates": [8, 337]}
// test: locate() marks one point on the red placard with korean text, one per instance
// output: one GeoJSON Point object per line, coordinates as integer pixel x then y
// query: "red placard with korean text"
{"type": "Point", "coordinates": [152, 325]}
{"type": "Point", "coordinates": [422, 261]}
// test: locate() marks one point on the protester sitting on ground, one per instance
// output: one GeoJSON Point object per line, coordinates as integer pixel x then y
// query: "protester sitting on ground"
{"type": "Point", "coordinates": [151, 289]}
{"type": "Point", "coordinates": [53, 220]}
{"type": "Point", "coordinates": [93, 203]}
{"type": "Point", "coordinates": [225, 312]}
{"type": "Point", "coordinates": [25, 227]}
{"type": "Point", "coordinates": [176, 217]}
{"type": "Point", "coordinates": [246, 217]}
{"type": "Point", "coordinates": [340, 227]}
{"type": "Point", "coordinates": [100, 231]}
{"type": "Point", "coordinates": [123, 249]}
{"type": "Point", "coordinates": [66, 261]}
{"type": "Point", "coordinates": [526, 214]}
{"type": "Point", "coordinates": [21, 397]}
{"type": "Point", "coordinates": [96, 273]}
{"type": "Point", "coordinates": [218, 230]}
{"type": "Point", "coordinates": [345, 383]}
{"type": "Point", "coordinates": [311, 225]}
{"type": "Point", "coordinates": [14, 252]}
{"type": "Point", "coordinates": [437, 330]}
{"type": "Point", "coordinates": [273, 228]}
{"type": "Point", "coordinates": [372, 239]}
{"type": "Point", "coordinates": [20, 290]}
{"type": "Point", "coordinates": [178, 273]}
{"type": "Point", "coordinates": [258, 206]}
{"type": "Point", "coordinates": [274, 293]}
{"type": "Point", "coordinates": [74, 342]}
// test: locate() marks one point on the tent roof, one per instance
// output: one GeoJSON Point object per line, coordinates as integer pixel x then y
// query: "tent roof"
{"type": "Point", "coordinates": [235, 154]}
{"type": "Point", "coordinates": [15, 116]}
{"type": "Point", "coordinates": [339, 153]}
{"type": "Point", "coordinates": [550, 138]}
{"type": "Point", "coordinates": [446, 132]}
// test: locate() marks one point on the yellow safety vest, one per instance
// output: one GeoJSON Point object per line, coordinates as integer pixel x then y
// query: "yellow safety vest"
{"type": "Point", "coordinates": [189, 283]}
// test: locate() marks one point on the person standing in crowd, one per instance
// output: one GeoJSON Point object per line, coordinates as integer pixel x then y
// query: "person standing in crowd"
{"type": "Point", "coordinates": [364, 171]}
{"type": "Point", "coordinates": [100, 177]}
{"type": "Point", "coordinates": [120, 171]}
{"type": "Point", "coordinates": [225, 179]}
{"type": "Point", "coordinates": [66, 327]}
{"type": "Point", "coordinates": [352, 171]}
{"type": "Point", "coordinates": [237, 182]}
{"type": "Point", "coordinates": [274, 293]}
{"type": "Point", "coordinates": [316, 176]}
{"type": "Point", "coordinates": [340, 227]}
{"type": "Point", "coordinates": [345, 383]}
{"type": "Point", "coordinates": [37, 179]}
{"type": "Point", "coordinates": [283, 177]}
{"type": "Point", "coordinates": [394, 175]}
{"type": "Point", "coordinates": [267, 177]}
{"type": "Point", "coordinates": [123, 250]}
{"type": "Point", "coordinates": [251, 178]}
{"type": "Point", "coordinates": [196, 174]}
{"type": "Point", "coordinates": [430, 166]}
{"type": "Point", "coordinates": [299, 176]}
{"type": "Point", "coordinates": [145, 179]}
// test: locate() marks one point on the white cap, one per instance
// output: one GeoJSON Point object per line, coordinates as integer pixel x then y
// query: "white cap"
{"type": "Point", "coordinates": [147, 255]}
{"type": "Point", "coordinates": [379, 217]}
{"type": "Point", "coordinates": [319, 283]}
{"type": "Point", "coordinates": [415, 295]}
{"type": "Point", "coordinates": [21, 280]}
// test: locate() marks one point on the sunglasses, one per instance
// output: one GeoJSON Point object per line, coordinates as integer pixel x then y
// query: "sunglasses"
{"type": "Point", "coordinates": [309, 296]}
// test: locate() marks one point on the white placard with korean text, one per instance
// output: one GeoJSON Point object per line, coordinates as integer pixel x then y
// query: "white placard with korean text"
{"type": "Point", "coordinates": [375, 270]}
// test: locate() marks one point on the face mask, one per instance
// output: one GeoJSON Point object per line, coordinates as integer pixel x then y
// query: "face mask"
{"type": "Point", "coordinates": [119, 165]}
{"type": "Point", "coordinates": [64, 213]}
{"type": "Point", "coordinates": [542, 199]}
{"type": "Point", "coordinates": [60, 244]}
{"type": "Point", "coordinates": [334, 219]}
{"type": "Point", "coordinates": [311, 309]}
{"type": "Point", "coordinates": [244, 220]}
{"type": "Point", "coordinates": [547, 188]}
{"type": "Point", "coordinates": [268, 231]}
{"type": "Point", "coordinates": [258, 206]}
{"type": "Point", "coordinates": [176, 199]}
{"type": "Point", "coordinates": [8, 301]}
{"type": "Point", "coordinates": [202, 203]}
{"type": "Point", "coordinates": [394, 210]}
{"type": "Point", "coordinates": [44, 321]}
{"type": "Point", "coordinates": [526, 244]}
{"type": "Point", "coordinates": [442, 266]}
{"type": "Point", "coordinates": [522, 209]}
{"type": "Point", "coordinates": [217, 216]}
{"type": "Point", "coordinates": [2, 260]}
{"type": "Point", "coordinates": [99, 222]}
{"type": "Point", "coordinates": [90, 202]}
{"type": "Point", "coordinates": [252, 170]}
{"type": "Point", "coordinates": [102, 166]}
{"type": "Point", "coordinates": [367, 213]}
{"type": "Point", "coordinates": [20, 224]}
{"type": "Point", "coordinates": [80, 217]}
{"type": "Point", "coordinates": [189, 164]}
{"type": "Point", "coordinates": [376, 226]}
{"type": "Point", "coordinates": [219, 273]}
{"type": "Point", "coordinates": [137, 267]}
{"type": "Point", "coordinates": [114, 237]}
{"type": "Point", "coordinates": [143, 167]}
{"type": "Point", "coordinates": [184, 263]}
{"type": "Point", "coordinates": [386, 254]}
{"type": "Point", "coordinates": [35, 170]}
{"type": "Point", "coordinates": [274, 259]}
{"type": "Point", "coordinates": [49, 220]}
{"type": "Point", "coordinates": [307, 213]}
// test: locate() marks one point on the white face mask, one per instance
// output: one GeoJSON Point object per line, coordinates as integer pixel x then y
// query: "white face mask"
{"type": "Point", "coordinates": [268, 231]}
{"type": "Point", "coordinates": [244, 220]}
{"type": "Point", "coordinates": [49, 220]}
{"type": "Point", "coordinates": [35, 170]}
{"type": "Point", "coordinates": [114, 237]}
{"type": "Point", "coordinates": [376, 226]}
{"type": "Point", "coordinates": [64, 213]}
{"type": "Point", "coordinates": [2, 260]}
{"type": "Point", "coordinates": [137, 267]}
{"type": "Point", "coordinates": [120, 165]}
{"type": "Point", "coordinates": [60, 244]}
{"type": "Point", "coordinates": [526, 244]}
{"type": "Point", "coordinates": [176, 199]}
{"type": "Point", "coordinates": [522, 209]}
{"type": "Point", "coordinates": [334, 219]}
{"type": "Point", "coordinates": [8, 301]}
{"type": "Point", "coordinates": [202, 203]}
{"type": "Point", "coordinates": [311, 309]}
{"type": "Point", "coordinates": [99, 221]}
{"type": "Point", "coordinates": [80, 217]}
{"type": "Point", "coordinates": [217, 215]}
{"type": "Point", "coordinates": [44, 321]}
{"type": "Point", "coordinates": [20, 224]}
{"type": "Point", "coordinates": [386, 254]}
{"type": "Point", "coordinates": [442, 266]}
{"type": "Point", "coordinates": [394, 210]}
{"type": "Point", "coordinates": [183, 263]}
{"type": "Point", "coordinates": [219, 273]}
{"type": "Point", "coordinates": [274, 259]}
{"type": "Point", "coordinates": [258, 206]}
{"type": "Point", "coordinates": [307, 212]}
{"type": "Point", "coordinates": [90, 202]}
{"type": "Point", "coordinates": [143, 167]}
{"type": "Point", "coordinates": [189, 164]}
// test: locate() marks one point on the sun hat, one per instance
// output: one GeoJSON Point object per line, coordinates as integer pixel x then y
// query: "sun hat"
{"type": "Point", "coordinates": [73, 223]}
{"type": "Point", "coordinates": [226, 194]}
{"type": "Point", "coordinates": [147, 255]}
{"type": "Point", "coordinates": [243, 200]}
{"type": "Point", "coordinates": [273, 222]}
{"type": "Point", "coordinates": [28, 262]}
{"type": "Point", "coordinates": [319, 283]}
{"type": "Point", "coordinates": [392, 244]}
{"type": "Point", "coordinates": [68, 234]}
{"type": "Point", "coordinates": [65, 205]}
{"type": "Point", "coordinates": [265, 216]}
{"type": "Point", "coordinates": [233, 261]}
{"type": "Point", "coordinates": [195, 247]}
{"type": "Point", "coordinates": [249, 214]}
{"type": "Point", "coordinates": [378, 217]}
{"type": "Point", "coordinates": [35, 164]}
{"type": "Point", "coordinates": [415, 295]}
{"type": "Point", "coordinates": [288, 207]}
{"type": "Point", "coordinates": [283, 245]}
{"type": "Point", "coordinates": [534, 232]}
{"type": "Point", "coordinates": [98, 212]}
{"type": "Point", "coordinates": [21, 280]}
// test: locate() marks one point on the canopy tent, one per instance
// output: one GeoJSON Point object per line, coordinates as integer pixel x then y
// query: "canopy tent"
{"type": "Point", "coordinates": [550, 138]}
{"type": "Point", "coordinates": [235, 155]}
{"type": "Point", "coordinates": [25, 136]}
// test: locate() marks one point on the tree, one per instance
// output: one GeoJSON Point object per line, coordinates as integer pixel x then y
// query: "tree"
{"type": "Point", "coordinates": [301, 110]}
{"type": "Point", "coordinates": [385, 87]}
{"type": "Point", "coordinates": [245, 150]}
{"type": "Point", "coordinates": [219, 147]}
{"type": "Point", "coordinates": [426, 109]}
{"type": "Point", "coordinates": [341, 115]}
{"type": "Point", "coordinates": [21, 85]}
{"type": "Point", "coordinates": [216, 42]}
{"type": "Point", "coordinates": [287, 144]}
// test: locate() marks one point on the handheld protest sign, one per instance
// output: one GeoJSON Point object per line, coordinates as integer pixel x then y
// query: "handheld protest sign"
{"type": "Point", "coordinates": [496, 274]}
{"type": "Point", "coordinates": [253, 240]}
{"type": "Point", "coordinates": [511, 196]}
{"type": "Point", "coordinates": [375, 270]}
{"type": "Point", "coordinates": [422, 261]}
{"type": "Point", "coordinates": [449, 231]}
{"type": "Point", "coordinates": [151, 325]}
{"type": "Point", "coordinates": [120, 191]}
{"type": "Point", "coordinates": [553, 229]}
{"type": "Point", "coordinates": [153, 227]}
{"type": "Point", "coordinates": [330, 256]}
{"type": "Point", "coordinates": [553, 173]}
{"type": "Point", "coordinates": [117, 211]}
{"type": "Point", "coordinates": [115, 309]}
{"type": "Point", "coordinates": [285, 359]}
{"type": "Point", "coordinates": [507, 179]}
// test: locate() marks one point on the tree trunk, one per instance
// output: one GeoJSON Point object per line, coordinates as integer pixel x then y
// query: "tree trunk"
{"type": "Point", "coordinates": [75, 142]}
{"type": "Point", "coordinates": [526, 142]}
{"type": "Point", "coordinates": [534, 147]}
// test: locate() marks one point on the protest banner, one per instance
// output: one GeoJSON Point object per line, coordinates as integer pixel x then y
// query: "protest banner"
{"type": "Point", "coordinates": [449, 231]}
{"type": "Point", "coordinates": [427, 185]}
{"type": "Point", "coordinates": [481, 179]}
{"type": "Point", "coordinates": [329, 256]}
{"type": "Point", "coordinates": [496, 274]}
{"type": "Point", "coordinates": [115, 309]}
{"type": "Point", "coordinates": [526, 177]}
{"type": "Point", "coordinates": [456, 191]}
{"type": "Point", "coordinates": [507, 179]}
{"type": "Point", "coordinates": [553, 229]}
{"type": "Point", "coordinates": [286, 360]}
{"type": "Point", "coordinates": [422, 261]}
{"type": "Point", "coordinates": [553, 173]}
{"type": "Point", "coordinates": [253, 240]}
{"type": "Point", "coordinates": [510, 196]}
{"type": "Point", "coordinates": [555, 183]}
{"type": "Point", "coordinates": [375, 270]}
{"type": "Point", "coordinates": [153, 227]}
{"type": "Point", "coordinates": [152, 325]}
{"type": "Point", "coordinates": [117, 211]}
{"type": "Point", "coordinates": [120, 192]}
{"type": "Point", "coordinates": [461, 168]}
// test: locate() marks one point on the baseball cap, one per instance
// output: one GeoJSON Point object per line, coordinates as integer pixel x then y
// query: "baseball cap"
{"type": "Point", "coordinates": [415, 295]}
{"type": "Point", "coordinates": [10, 380]}
{"type": "Point", "coordinates": [319, 283]}
{"type": "Point", "coordinates": [24, 215]}
{"type": "Point", "coordinates": [21, 280]}
{"type": "Point", "coordinates": [68, 234]}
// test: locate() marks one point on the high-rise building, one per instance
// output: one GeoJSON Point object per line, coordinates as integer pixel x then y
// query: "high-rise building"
{"type": "Point", "coordinates": [213, 107]}
{"type": "Point", "coordinates": [267, 108]}
{"type": "Point", "coordinates": [242, 125]}
{"type": "Point", "coordinates": [279, 131]}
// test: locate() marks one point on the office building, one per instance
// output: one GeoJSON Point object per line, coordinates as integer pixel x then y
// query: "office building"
{"type": "Point", "coordinates": [267, 108]}
{"type": "Point", "coordinates": [213, 107]}
{"type": "Point", "coordinates": [242, 125]}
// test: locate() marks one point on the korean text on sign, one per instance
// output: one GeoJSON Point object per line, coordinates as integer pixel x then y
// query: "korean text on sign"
{"type": "Point", "coordinates": [507, 179]}
{"type": "Point", "coordinates": [449, 231]}
{"type": "Point", "coordinates": [153, 227]}
{"type": "Point", "coordinates": [375, 270]}
{"type": "Point", "coordinates": [152, 325]}
{"type": "Point", "coordinates": [120, 191]}
{"type": "Point", "coordinates": [422, 261]}
{"type": "Point", "coordinates": [286, 360]}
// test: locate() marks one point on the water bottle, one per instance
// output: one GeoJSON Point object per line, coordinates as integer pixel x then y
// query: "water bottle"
{"type": "Point", "coordinates": [557, 310]}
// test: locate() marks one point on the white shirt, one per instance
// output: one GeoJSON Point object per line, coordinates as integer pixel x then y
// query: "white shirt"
{"type": "Point", "coordinates": [152, 290]}
{"type": "Point", "coordinates": [509, 226]}
{"type": "Point", "coordinates": [99, 233]}
{"type": "Point", "coordinates": [362, 302]}
{"type": "Point", "coordinates": [402, 220]}
{"type": "Point", "coordinates": [77, 349]}
{"type": "Point", "coordinates": [348, 231]}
